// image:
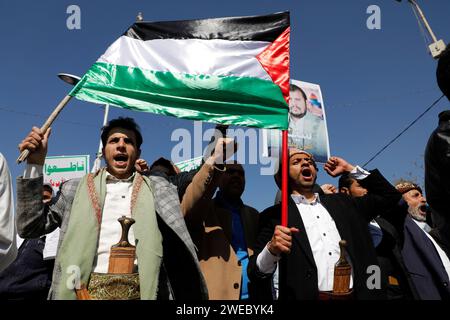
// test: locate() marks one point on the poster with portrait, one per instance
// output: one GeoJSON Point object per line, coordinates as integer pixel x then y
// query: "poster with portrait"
{"type": "Point", "coordinates": [307, 123]}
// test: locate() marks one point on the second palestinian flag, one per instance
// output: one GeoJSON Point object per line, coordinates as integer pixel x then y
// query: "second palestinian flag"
{"type": "Point", "coordinates": [225, 70]}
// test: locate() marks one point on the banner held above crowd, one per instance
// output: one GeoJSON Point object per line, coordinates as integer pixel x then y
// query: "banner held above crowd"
{"type": "Point", "coordinates": [232, 71]}
{"type": "Point", "coordinates": [224, 70]}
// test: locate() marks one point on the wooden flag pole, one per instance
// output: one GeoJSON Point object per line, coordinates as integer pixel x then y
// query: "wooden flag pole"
{"type": "Point", "coordinates": [284, 178]}
{"type": "Point", "coordinates": [23, 156]}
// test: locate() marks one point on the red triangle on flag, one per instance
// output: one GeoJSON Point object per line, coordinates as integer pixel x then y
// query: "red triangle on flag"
{"type": "Point", "coordinates": [275, 60]}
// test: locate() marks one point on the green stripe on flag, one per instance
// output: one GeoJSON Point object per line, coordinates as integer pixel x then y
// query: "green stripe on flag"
{"type": "Point", "coordinates": [232, 100]}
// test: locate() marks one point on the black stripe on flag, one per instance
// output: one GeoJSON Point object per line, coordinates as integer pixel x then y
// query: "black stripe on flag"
{"type": "Point", "coordinates": [256, 28]}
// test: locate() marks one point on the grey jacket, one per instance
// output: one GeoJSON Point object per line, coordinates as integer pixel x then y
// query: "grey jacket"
{"type": "Point", "coordinates": [34, 219]}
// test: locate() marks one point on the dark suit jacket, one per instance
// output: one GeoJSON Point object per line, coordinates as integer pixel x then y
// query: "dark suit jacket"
{"type": "Point", "coordinates": [298, 272]}
{"type": "Point", "coordinates": [424, 264]}
{"type": "Point", "coordinates": [391, 262]}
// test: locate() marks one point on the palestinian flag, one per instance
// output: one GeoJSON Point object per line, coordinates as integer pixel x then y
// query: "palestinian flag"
{"type": "Point", "coordinates": [225, 70]}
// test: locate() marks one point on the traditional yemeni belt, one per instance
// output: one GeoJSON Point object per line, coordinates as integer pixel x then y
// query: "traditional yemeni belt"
{"type": "Point", "coordinates": [329, 295]}
{"type": "Point", "coordinates": [108, 286]}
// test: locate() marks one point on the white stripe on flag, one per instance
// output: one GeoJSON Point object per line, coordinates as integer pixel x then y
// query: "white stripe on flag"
{"type": "Point", "coordinates": [192, 56]}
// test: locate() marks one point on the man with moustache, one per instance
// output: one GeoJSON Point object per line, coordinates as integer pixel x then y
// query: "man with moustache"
{"type": "Point", "coordinates": [297, 113]}
{"type": "Point", "coordinates": [87, 210]}
{"type": "Point", "coordinates": [306, 129]}
{"type": "Point", "coordinates": [308, 249]}
{"type": "Point", "coordinates": [426, 262]}
{"type": "Point", "coordinates": [387, 240]}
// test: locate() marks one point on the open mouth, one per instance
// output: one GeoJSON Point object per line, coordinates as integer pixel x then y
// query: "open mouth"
{"type": "Point", "coordinates": [307, 173]}
{"type": "Point", "coordinates": [121, 160]}
{"type": "Point", "coordinates": [423, 209]}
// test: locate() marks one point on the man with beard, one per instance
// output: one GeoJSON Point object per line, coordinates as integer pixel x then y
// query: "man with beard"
{"type": "Point", "coordinates": [309, 248]}
{"type": "Point", "coordinates": [224, 231]}
{"type": "Point", "coordinates": [426, 262]}
{"type": "Point", "coordinates": [387, 240]}
{"type": "Point", "coordinates": [306, 130]}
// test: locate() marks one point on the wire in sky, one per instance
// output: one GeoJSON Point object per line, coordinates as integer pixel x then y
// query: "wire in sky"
{"type": "Point", "coordinates": [45, 117]}
{"type": "Point", "coordinates": [404, 130]}
{"type": "Point", "coordinates": [425, 36]}
{"type": "Point", "coordinates": [384, 98]}
{"type": "Point", "coordinates": [167, 123]}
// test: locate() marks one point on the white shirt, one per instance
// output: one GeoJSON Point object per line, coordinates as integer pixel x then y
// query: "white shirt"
{"type": "Point", "coordinates": [117, 204]}
{"type": "Point", "coordinates": [444, 258]}
{"type": "Point", "coordinates": [51, 245]}
{"type": "Point", "coordinates": [8, 247]}
{"type": "Point", "coordinates": [374, 223]}
{"type": "Point", "coordinates": [323, 238]}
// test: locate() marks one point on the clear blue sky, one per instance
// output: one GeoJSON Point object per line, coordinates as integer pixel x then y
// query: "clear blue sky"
{"type": "Point", "coordinates": [374, 82]}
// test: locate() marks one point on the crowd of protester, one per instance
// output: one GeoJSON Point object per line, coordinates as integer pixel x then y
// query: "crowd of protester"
{"type": "Point", "coordinates": [189, 236]}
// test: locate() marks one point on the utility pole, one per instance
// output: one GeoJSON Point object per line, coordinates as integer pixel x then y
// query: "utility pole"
{"type": "Point", "coordinates": [438, 46]}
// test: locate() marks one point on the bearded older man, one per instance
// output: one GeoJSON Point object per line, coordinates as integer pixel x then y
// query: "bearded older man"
{"type": "Point", "coordinates": [426, 262]}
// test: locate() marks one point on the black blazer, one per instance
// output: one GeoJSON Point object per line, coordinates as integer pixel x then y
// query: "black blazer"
{"type": "Point", "coordinates": [298, 271]}
{"type": "Point", "coordinates": [424, 264]}
{"type": "Point", "coordinates": [391, 260]}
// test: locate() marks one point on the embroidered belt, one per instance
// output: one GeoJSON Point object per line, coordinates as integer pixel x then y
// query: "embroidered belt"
{"type": "Point", "coordinates": [108, 286]}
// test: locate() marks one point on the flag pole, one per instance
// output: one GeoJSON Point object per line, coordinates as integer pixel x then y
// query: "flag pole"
{"type": "Point", "coordinates": [24, 154]}
{"type": "Point", "coordinates": [284, 179]}
{"type": "Point", "coordinates": [98, 158]}
{"type": "Point", "coordinates": [67, 78]}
